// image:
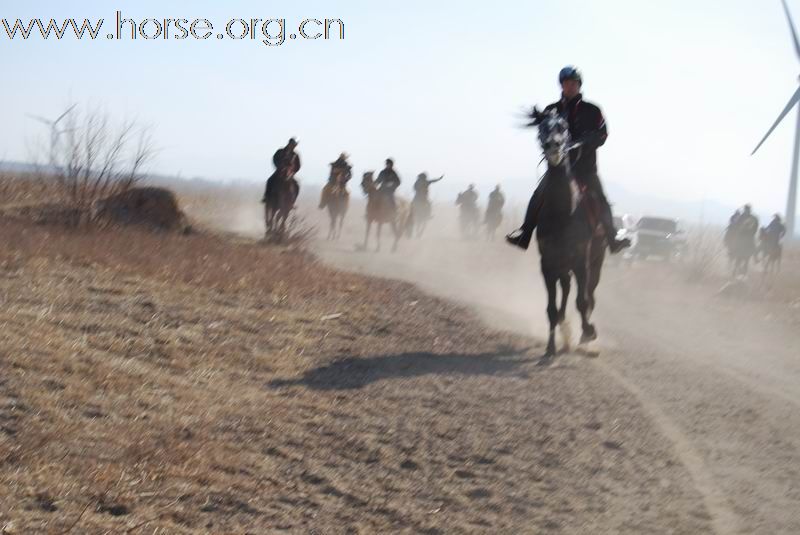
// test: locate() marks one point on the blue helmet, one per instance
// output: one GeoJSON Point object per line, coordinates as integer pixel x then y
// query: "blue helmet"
{"type": "Point", "coordinates": [570, 73]}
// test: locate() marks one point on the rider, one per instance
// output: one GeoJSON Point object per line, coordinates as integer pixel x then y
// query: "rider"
{"type": "Point", "coordinates": [388, 181]}
{"type": "Point", "coordinates": [496, 202]}
{"type": "Point", "coordinates": [422, 185]}
{"type": "Point", "coordinates": [776, 230]}
{"type": "Point", "coordinates": [469, 197]}
{"type": "Point", "coordinates": [588, 127]}
{"type": "Point", "coordinates": [732, 229]}
{"type": "Point", "coordinates": [734, 219]}
{"type": "Point", "coordinates": [287, 164]}
{"type": "Point", "coordinates": [747, 227]}
{"type": "Point", "coordinates": [341, 168]}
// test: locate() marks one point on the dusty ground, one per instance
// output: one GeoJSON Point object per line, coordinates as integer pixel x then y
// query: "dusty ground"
{"type": "Point", "coordinates": [194, 384]}
{"type": "Point", "coordinates": [716, 374]}
{"type": "Point", "coordinates": [206, 385]}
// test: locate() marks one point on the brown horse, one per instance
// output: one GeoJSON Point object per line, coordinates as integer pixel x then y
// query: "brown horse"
{"type": "Point", "coordinates": [280, 202]}
{"type": "Point", "coordinates": [381, 209]}
{"type": "Point", "coordinates": [336, 199]}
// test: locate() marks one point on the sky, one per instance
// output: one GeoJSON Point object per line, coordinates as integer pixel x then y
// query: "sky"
{"type": "Point", "coordinates": [688, 89]}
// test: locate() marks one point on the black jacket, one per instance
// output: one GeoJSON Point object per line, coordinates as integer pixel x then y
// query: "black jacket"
{"type": "Point", "coordinates": [286, 158]}
{"type": "Point", "coordinates": [586, 124]}
{"type": "Point", "coordinates": [388, 179]}
{"type": "Point", "coordinates": [341, 165]}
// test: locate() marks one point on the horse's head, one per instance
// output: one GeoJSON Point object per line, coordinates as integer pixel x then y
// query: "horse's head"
{"type": "Point", "coordinates": [553, 136]}
{"type": "Point", "coordinates": [368, 182]}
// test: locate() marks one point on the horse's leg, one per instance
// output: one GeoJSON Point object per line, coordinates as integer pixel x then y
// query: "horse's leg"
{"type": "Point", "coordinates": [341, 219]}
{"type": "Point", "coordinates": [597, 252]}
{"type": "Point", "coordinates": [366, 235]}
{"type": "Point", "coordinates": [562, 312]}
{"type": "Point", "coordinates": [550, 281]}
{"type": "Point", "coordinates": [267, 219]}
{"type": "Point", "coordinates": [396, 231]}
{"type": "Point", "coordinates": [281, 224]}
{"type": "Point", "coordinates": [565, 288]}
{"type": "Point", "coordinates": [582, 301]}
{"type": "Point", "coordinates": [378, 236]}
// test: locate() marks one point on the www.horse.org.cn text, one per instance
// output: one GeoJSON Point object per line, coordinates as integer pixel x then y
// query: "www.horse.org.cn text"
{"type": "Point", "coordinates": [268, 31]}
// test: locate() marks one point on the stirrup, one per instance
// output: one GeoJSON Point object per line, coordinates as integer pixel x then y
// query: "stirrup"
{"type": "Point", "coordinates": [518, 238]}
{"type": "Point", "coordinates": [615, 245]}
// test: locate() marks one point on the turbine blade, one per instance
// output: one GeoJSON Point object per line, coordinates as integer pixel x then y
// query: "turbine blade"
{"type": "Point", "coordinates": [69, 110]}
{"type": "Point", "coordinates": [39, 118]}
{"type": "Point", "coordinates": [791, 27]}
{"type": "Point", "coordinates": [792, 101]}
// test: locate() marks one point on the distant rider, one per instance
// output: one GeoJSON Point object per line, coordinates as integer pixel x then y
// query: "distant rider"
{"type": "Point", "coordinates": [388, 181]}
{"type": "Point", "coordinates": [342, 171]}
{"type": "Point", "coordinates": [287, 164]}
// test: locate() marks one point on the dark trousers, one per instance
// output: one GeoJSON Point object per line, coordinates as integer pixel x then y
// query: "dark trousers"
{"type": "Point", "coordinates": [593, 188]}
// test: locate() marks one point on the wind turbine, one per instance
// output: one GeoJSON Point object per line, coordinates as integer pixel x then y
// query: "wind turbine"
{"type": "Point", "coordinates": [791, 202]}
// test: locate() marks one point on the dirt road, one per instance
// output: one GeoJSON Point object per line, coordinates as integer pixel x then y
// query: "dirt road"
{"type": "Point", "coordinates": [719, 380]}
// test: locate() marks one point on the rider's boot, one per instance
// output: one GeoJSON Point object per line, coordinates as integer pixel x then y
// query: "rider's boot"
{"type": "Point", "coordinates": [522, 236]}
{"type": "Point", "coordinates": [614, 245]}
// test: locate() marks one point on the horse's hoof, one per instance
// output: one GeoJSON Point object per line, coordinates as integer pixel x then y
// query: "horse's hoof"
{"type": "Point", "coordinates": [589, 335]}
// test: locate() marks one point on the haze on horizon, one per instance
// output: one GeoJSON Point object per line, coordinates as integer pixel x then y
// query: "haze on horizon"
{"type": "Point", "coordinates": [688, 88]}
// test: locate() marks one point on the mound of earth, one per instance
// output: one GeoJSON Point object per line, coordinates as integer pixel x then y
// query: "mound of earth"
{"type": "Point", "coordinates": [151, 207]}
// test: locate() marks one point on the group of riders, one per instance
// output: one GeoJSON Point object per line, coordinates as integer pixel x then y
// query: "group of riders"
{"type": "Point", "coordinates": [744, 239]}
{"type": "Point", "coordinates": [587, 132]}
{"type": "Point", "coordinates": [287, 163]}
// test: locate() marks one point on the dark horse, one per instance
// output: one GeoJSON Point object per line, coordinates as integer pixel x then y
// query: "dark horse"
{"type": "Point", "coordinates": [740, 239]}
{"type": "Point", "coordinates": [569, 243]}
{"type": "Point", "coordinates": [279, 203]}
{"type": "Point", "coordinates": [771, 250]}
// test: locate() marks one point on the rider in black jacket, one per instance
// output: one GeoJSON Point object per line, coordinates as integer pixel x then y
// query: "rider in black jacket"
{"type": "Point", "coordinates": [287, 164]}
{"type": "Point", "coordinates": [587, 127]}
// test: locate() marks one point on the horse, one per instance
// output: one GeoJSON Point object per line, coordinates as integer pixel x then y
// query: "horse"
{"type": "Point", "coordinates": [280, 201]}
{"type": "Point", "coordinates": [771, 250]}
{"type": "Point", "coordinates": [420, 215]}
{"type": "Point", "coordinates": [493, 220]}
{"type": "Point", "coordinates": [741, 244]}
{"type": "Point", "coordinates": [468, 216]}
{"type": "Point", "coordinates": [336, 199]}
{"type": "Point", "coordinates": [568, 235]}
{"type": "Point", "coordinates": [381, 210]}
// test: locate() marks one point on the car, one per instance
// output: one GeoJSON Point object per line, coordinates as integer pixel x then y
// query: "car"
{"type": "Point", "coordinates": [659, 236]}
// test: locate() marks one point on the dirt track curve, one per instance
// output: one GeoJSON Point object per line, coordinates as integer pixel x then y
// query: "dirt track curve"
{"type": "Point", "coordinates": [719, 380]}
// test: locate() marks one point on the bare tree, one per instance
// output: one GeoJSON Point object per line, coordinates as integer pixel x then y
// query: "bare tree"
{"type": "Point", "coordinates": [90, 158]}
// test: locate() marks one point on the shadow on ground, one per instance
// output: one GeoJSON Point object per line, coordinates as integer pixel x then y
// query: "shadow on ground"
{"type": "Point", "coordinates": [347, 373]}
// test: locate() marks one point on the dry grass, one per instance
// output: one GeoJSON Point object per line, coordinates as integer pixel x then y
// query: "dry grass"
{"type": "Point", "coordinates": [134, 369]}
{"type": "Point", "coordinates": [27, 189]}
{"type": "Point", "coordinates": [705, 256]}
